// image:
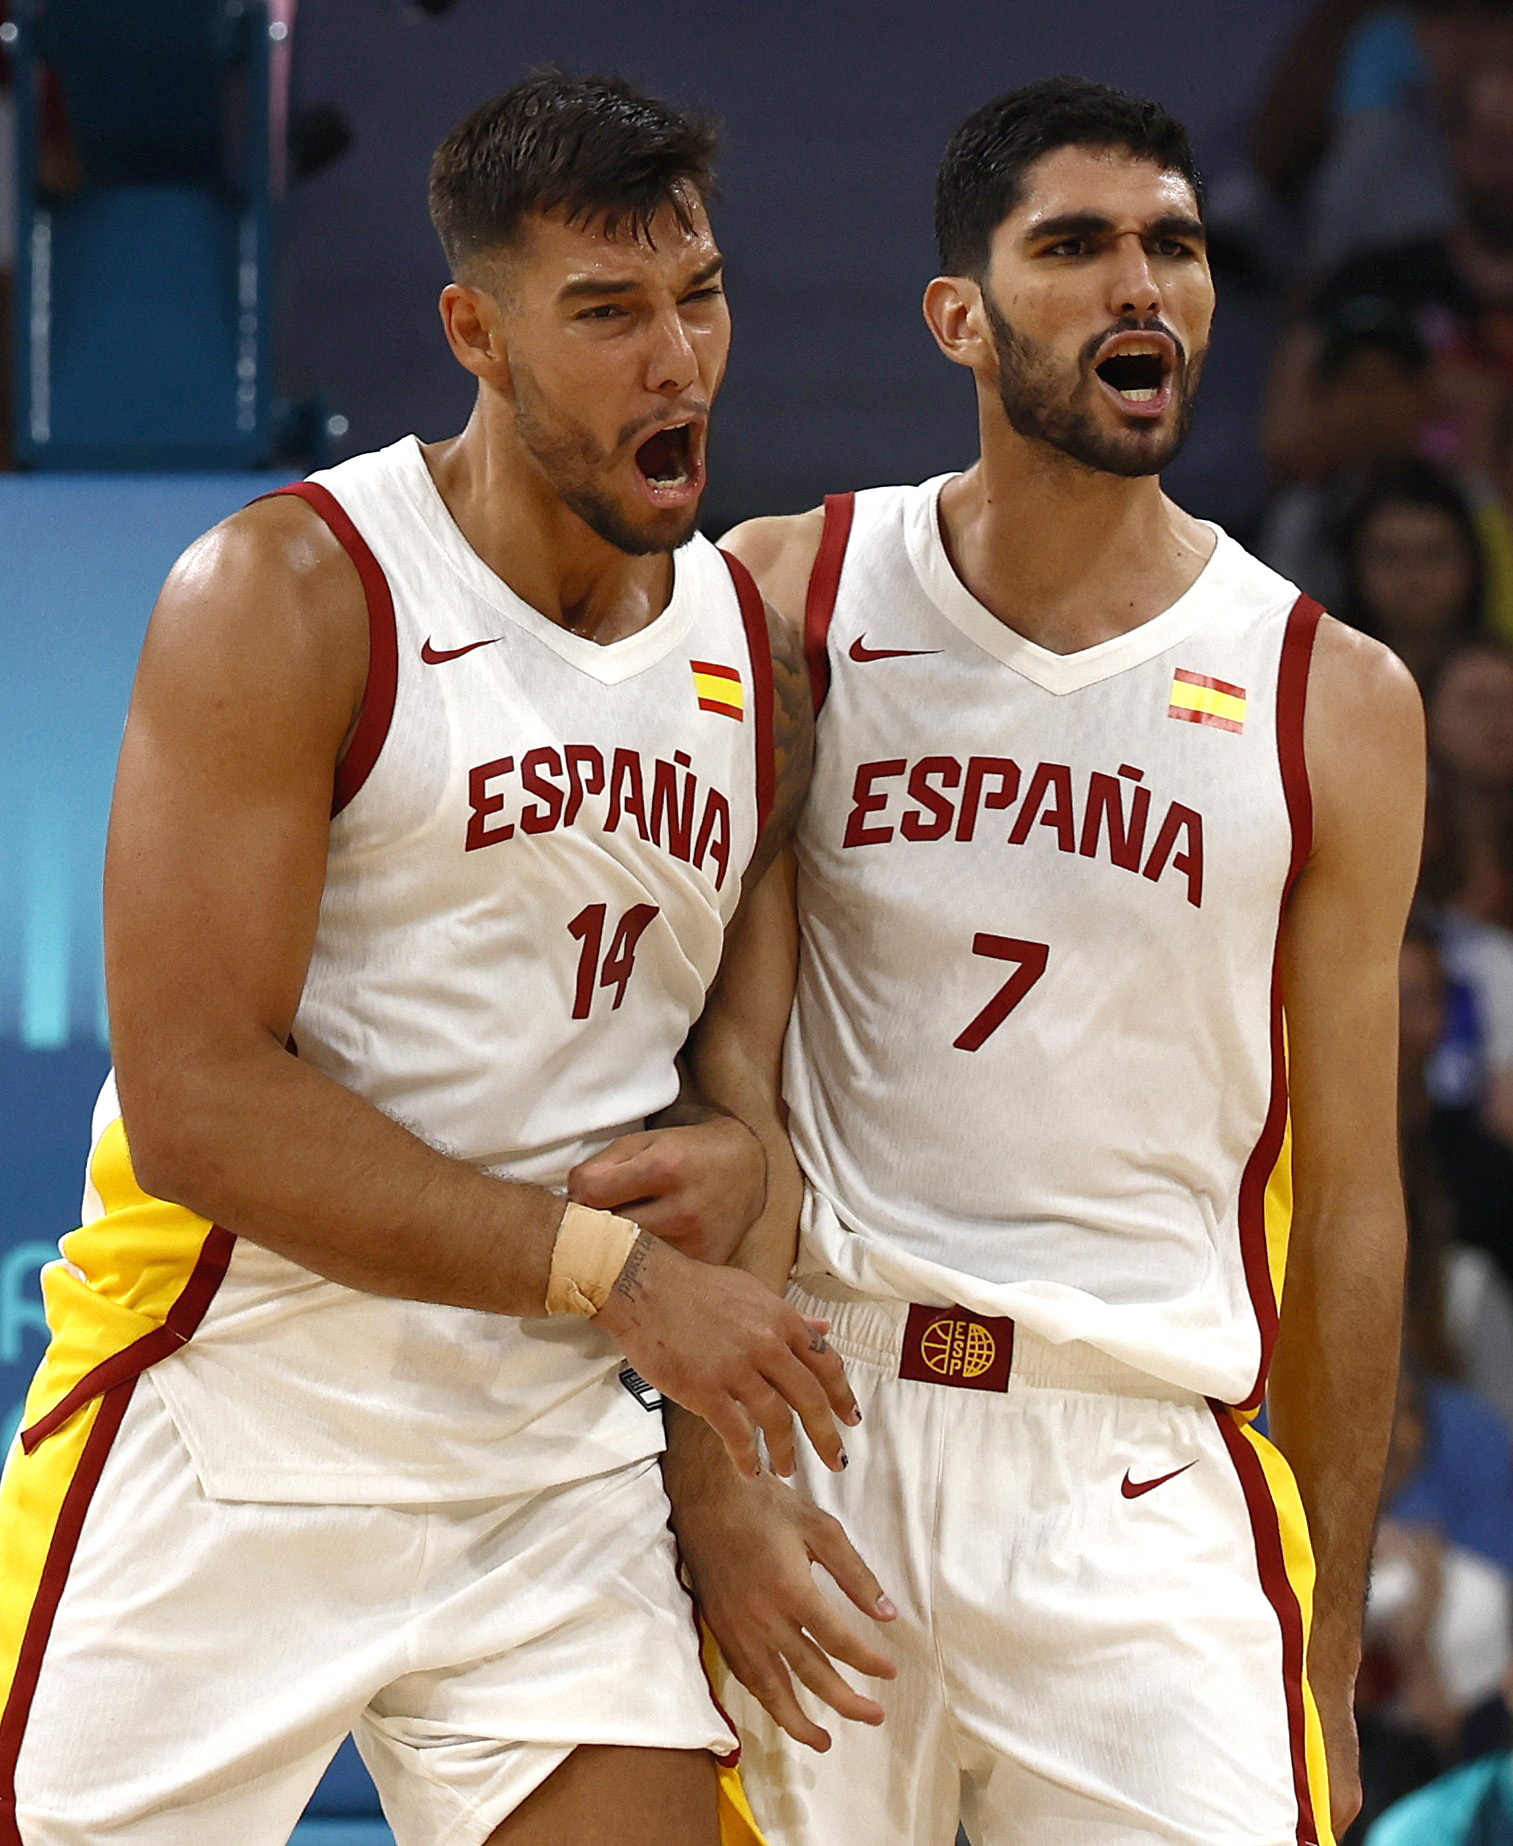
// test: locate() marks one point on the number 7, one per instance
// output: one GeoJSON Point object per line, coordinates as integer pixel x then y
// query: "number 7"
{"type": "Point", "coordinates": [1031, 957]}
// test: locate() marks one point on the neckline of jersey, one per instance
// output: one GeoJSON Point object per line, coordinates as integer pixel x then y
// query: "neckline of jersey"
{"type": "Point", "coordinates": [1052, 672]}
{"type": "Point", "coordinates": [609, 662]}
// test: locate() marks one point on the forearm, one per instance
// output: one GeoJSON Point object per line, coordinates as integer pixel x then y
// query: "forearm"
{"type": "Point", "coordinates": [1330, 1402]}
{"type": "Point", "coordinates": [281, 1154]}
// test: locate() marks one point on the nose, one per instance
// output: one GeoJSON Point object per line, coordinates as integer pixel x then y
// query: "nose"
{"type": "Point", "coordinates": [672, 364]}
{"type": "Point", "coordinates": [1133, 289]}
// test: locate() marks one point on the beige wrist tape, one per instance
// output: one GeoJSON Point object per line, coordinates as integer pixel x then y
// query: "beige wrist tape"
{"type": "Point", "coordinates": [587, 1258]}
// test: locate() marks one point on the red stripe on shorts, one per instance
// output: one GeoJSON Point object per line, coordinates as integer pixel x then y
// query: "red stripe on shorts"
{"type": "Point", "coordinates": [39, 1625]}
{"type": "Point", "coordinates": [1271, 1563]}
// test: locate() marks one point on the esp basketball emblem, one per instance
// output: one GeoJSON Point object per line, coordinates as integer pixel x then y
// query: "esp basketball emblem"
{"type": "Point", "coordinates": [949, 1346]}
{"type": "Point", "coordinates": [957, 1349]}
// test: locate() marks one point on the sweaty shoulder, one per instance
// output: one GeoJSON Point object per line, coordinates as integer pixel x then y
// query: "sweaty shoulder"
{"type": "Point", "coordinates": [780, 554]}
{"type": "Point", "coordinates": [268, 599]}
{"type": "Point", "coordinates": [1363, 734]}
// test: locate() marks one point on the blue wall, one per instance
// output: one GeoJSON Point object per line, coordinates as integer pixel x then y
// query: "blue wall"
{"type": "Point", "coordinates": [83, 558]}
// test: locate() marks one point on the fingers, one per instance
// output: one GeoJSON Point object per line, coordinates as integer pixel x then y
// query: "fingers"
{"type": "Point", "coordinates": [824, 1361]}
{"type": "Point", "coordinates": [829, 1546]}
{"type": "Point", "coordinates": [814, 1668]}
{"type": "Point", "coordinates": [730, 1422]}
{"type": "Point", "coordinates": [771, 1687]}
{"type": "Point", "coordinates": [840, 1641]}
{"type": "Point", "coordinates": [625, 1171]}
{"type": "Point", "coordinates": [799, 1387]}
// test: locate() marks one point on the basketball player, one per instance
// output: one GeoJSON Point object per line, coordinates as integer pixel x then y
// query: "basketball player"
{"type": "Point", "coordinates": [1100, 883]}
{"type": "Point", "coordinates": [443, 777]}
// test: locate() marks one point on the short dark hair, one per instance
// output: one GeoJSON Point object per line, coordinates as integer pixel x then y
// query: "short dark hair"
{"type": "Point", "coordinates": [981, 177]}
{"type": "Point", "coordinates": [1413, 481]}
{"type": "Point", "coordinates": [589, 147]}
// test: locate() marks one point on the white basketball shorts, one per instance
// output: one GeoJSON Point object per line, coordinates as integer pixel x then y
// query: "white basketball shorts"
{"type": "Point", "coordinates": [1103, 1586]}
{"type": "Point", "coordinates": [181, 1669]}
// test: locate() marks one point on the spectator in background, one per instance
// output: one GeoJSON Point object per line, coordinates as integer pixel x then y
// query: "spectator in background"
{"type": "Point", "coordinates": [1356, 399]}
{"type": "Point", "coordinates": [1455, 276]}
{"type": "Point", "coordinates": [1471, 749]}
{"type": "Point", "coordinates": [1458, 1181]}
{"type": "Point", "coordinates": [1470, 1806]}
{"type": "Point", "coordinates": [1412, 566]}
{"type": "Point", "coordinates": [1440, 1611]}
{"type": "Point", "coordinates": [1473, 1068]}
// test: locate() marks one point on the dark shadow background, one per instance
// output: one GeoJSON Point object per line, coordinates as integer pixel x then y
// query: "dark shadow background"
{"type": "Point", "coordinates": [836, 114]}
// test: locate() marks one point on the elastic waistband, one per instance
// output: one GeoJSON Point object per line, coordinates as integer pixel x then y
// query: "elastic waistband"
{"type": "Point", "coordinates": [870, 1330]}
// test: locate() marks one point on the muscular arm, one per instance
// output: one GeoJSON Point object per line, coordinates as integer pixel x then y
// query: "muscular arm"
{"type": "Point", "coordinates": [1335, 1369]}
{"type": "Point", "coordinates": [250, 681]}
{"type": "Point", "coordinates": [750, 1545]}
{"type": "Point", "coordinates": [733, 1058]}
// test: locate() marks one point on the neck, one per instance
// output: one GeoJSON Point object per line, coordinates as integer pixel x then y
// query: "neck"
{"type": "Point", "coordinates": [1061, 553]}
{"type": "Point", "coordinates": [534, 542]}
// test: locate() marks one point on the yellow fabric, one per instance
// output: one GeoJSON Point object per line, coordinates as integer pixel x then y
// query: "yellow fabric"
{"type": "Point", "coordinates": [120, 1276]}
{"type": "Point", "coordinates": [1496, 534]}
{"type": "Point", "coordinates": [32, 1493]}
{"type": "Point", "coordinates": [1187, 697]}
{"type": "Point", "coordinates": [1278, 1212]}
{"type": "Point", "coordinates": [737, 1824]}
{"type": "Point", "coordinates": [1297, 1557]}
{"type": "Point", "coordinates": [722, 691]}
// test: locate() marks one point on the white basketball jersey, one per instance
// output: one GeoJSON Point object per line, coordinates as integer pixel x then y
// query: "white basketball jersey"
{"type": "Point", "coordinates": [536, 845]}
{"type": "Point", "coordinates": [1036, 1064]}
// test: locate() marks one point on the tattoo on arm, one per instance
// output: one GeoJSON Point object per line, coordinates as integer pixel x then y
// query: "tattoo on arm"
{"type": "Point", "coordinates": [792, 738]}
{"type": "Point", "coordinates": [628, 1282]}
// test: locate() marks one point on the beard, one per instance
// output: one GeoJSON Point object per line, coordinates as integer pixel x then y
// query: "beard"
{"type": "Point", "coordinates": [572, 459]}
{"type": "Point", "coordinates": [1044, 406]}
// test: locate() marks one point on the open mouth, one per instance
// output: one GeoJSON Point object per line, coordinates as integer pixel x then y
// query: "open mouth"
{"type": "Point", "coordinates": [1138, 375]}
{"type": "Point", "coordinates": [670, 464]}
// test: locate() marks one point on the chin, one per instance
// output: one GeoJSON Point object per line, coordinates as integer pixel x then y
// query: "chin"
{"type": "Point", "coordinates": [639, 531]}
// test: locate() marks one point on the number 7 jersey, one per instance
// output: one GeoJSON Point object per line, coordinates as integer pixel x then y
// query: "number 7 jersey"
{"type": "Point", "coordinates": [1037, 1060]}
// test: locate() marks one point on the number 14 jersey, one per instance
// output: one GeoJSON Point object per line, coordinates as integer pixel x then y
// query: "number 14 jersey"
{"type": "Point", "coordinates": [1037, 1061]}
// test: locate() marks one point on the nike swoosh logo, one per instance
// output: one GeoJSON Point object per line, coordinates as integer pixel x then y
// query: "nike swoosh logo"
{"type": "Point", "coordinates": [860, 651]}
{"type": "Point", "coordinates": [1132, 1490]}
{"type": "Point", "coordinates": [433, 656]}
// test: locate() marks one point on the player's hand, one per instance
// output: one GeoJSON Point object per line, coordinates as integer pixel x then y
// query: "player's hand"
{"type": "Point", "coordinates": [699, 1187]}
{"type": "Point", "coordinates": [750, 1547]}
{"type": "Point", "coordinates": [732, 1352]}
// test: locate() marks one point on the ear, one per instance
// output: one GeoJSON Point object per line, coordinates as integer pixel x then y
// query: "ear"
{"type": "Point", "coordinates": [953, 313]}
{"type": "Point", "coordinates": [475, 332]}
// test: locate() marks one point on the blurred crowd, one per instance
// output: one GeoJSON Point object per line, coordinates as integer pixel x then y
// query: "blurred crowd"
{"type": "Point", "coordinates": [1378, 205]}
{"type": "Point", "coordinates": [1374, 209]}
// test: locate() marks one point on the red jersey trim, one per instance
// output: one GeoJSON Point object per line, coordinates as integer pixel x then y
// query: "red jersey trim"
{"type": "Point", "coordinates": [377, 712]}
{"type": "Point", "coordinates": [1292, 701]}
{"type": "Point", "coordinates": [44, 1609]}
{"type": "Point", "coordinates": [131, 1361]}
{"type": "Point", "coordinates": [1271, 1564]}
{"type": "Point", "coordinates": [824, 586]}
{"type": "Point", "coordinates": [759, 647]}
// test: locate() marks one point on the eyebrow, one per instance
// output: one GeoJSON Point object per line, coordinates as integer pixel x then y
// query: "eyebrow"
{"type": "Point", "coordinates": [593, 287]}
{"type": "Point", "coordinates": [1094, 224]}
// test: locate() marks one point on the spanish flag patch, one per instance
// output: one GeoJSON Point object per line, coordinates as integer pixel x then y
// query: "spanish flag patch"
{"type": "Point", "coordinates": [1197, 699]}
{"type": "Point", "coordinates": [719, 689]}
